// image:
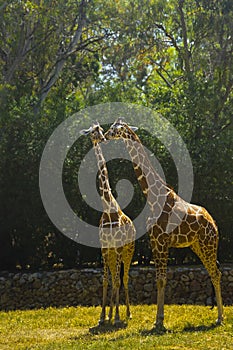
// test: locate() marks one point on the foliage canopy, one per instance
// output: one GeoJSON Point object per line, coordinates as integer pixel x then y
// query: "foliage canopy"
{"type": "Point", "coordinates": [58, 57]}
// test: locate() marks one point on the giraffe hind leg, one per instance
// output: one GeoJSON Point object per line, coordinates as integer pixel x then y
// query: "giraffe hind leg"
{"type": "Point", "coordinates": [209, 261]}
{"type": "Point", "coordinates": [218, 296]}
{"type": "Point", "coordinates": [115, 301]}
{"type": "Point", "coordinates": [213, 296]}
{"type": "Point", "coordinates": [161, 279]}
{"type": "Point", "coordinates": [117, 283]}
{"type": "Point", "coordinates": [105, 288]}
{"type": "Point", "coordinates": [114, 266]}
{"type": "Point", "coordinates": [128, 252]}
{"type": "Point", "coordinates": [117, 315]}
{"type": "Point", "coordinates": [125, 282]}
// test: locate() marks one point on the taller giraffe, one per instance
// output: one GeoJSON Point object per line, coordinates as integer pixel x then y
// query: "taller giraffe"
{"type": "Point", "coordinates": [173, 222]}
{"type": "Point", "coordinates": [116, 231]}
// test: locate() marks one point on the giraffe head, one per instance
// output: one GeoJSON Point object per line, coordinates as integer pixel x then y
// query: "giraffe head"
{"type": "Point", "coordinates": [120, 129]}
{"type": "Point", "coordinates": [96, 133]}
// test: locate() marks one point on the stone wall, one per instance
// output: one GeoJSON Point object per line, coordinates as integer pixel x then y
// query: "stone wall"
{"type": "Point", "coordinates": [185, 285]}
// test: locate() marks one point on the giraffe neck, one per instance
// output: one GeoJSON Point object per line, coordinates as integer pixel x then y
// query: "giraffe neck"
{"type": "Point", "coordinates": [151, 183]}
{"type": "Point", "coordinates": [110, 204]}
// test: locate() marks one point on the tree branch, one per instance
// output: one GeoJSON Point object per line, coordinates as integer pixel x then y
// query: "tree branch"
{"type": "Point", "coordinates": [23, 47]}
{"type": "Point", "coordinates": [173, 41]}
{"type": "Point", "coordinates": [164, 79]}
{"type": "Point", "coordinates": [59, 64]}
{"type": "Point", "coordinates": [158, 71]}
{"type": "Point", "coordinates": [222, 129]}
{"type": "Point", "coordinates": [186, 53]}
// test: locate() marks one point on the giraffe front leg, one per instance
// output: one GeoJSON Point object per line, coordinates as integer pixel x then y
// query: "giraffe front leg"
{"type": "Point", "coordinates": [161, 279]}
{"type": "Point", "coordinates": [104, 302]}
{"type": "Point", "coordinates": [103, 312]}
{"type": "Point", "coordinates": [161, 283]}
{"type": "Point", "coordinates": [159, 246]}
{"type": "Point", "coordinates": [215, 276]}
{"type": "Point", "coordinates": [117, 296]}
{"type": "Point", "coordinates": [117, 315]}
{"type": "Point", "coordinates": [117, 289]}
{"type": "Point", "coordinates": [126, 281]}
{"type": "Point", "coordinates": [128, 313]}
{"type": "Point", "coordinates": [114, 290]}
{"type": "Point", "coordinates": [112, 303]}
{"type": "Point", "coordinates": [209, 259]}
{"type": "Point", "coordinates": [219, 304]}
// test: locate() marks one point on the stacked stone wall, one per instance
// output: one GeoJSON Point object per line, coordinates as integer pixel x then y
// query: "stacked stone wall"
{"type": "Point", "coordinates": [185, 285]}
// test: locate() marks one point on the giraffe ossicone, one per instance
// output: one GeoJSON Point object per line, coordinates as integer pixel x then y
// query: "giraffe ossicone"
{"type": "Point", "coordinates": [172, 222]}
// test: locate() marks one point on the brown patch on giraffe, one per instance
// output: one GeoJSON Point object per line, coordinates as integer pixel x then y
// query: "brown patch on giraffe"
{"type": "Point", "coordinates": [163, 218]}
{"type": "Point", "coordinates": [169, 204]}
{"type": "Point", "coordinates": [181, 240]}
{"type": "Point", "coordinates": [104, 193]}
{"type": "Point", "coordinates": [150, 177]}
{"type": "Point", "coordinates": [171, 198]}
{"type": "Point", "coordinates": [194, 226]}
{"type": "Point", "coordinates": [108, 218]}
{"type": "Point", "coordinates": [184, 228]}
{"type": "Point", "coordinates": [114, 218]}
{"type": "Point", "coordinates": [133, 152]}
{"type": "Point", "coordinates": [118, 236]}
{"type": "Point", "coordinates": [162, 238]}
{"type": "Point", "coordinates": [191, 219]}
{"type": "Point", "coordinates": [141, 176]}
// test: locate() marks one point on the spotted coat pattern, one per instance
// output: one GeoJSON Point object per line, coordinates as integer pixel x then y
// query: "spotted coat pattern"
{"type": "Point", "coordinates": [173, 222]}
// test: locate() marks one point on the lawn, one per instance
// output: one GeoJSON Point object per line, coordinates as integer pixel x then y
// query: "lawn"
{"type": "Point", "coordinates": [190, 327]}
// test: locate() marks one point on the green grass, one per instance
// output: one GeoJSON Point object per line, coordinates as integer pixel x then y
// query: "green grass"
{"type": "Point", "coordinates": [191, 327]}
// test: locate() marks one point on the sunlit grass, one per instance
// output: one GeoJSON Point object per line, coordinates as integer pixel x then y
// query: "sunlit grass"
{"type": "Point", "coordinates": [191, 327]}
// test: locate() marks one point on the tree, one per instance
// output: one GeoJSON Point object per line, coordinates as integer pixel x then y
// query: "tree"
{"type": "Point", "coordinates": [44, 42]}
{"type": "Point", "coordinates": [173, 56]}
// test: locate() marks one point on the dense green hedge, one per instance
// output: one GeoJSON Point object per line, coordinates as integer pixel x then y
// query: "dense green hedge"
{"type": "Point", "coordinates": [172, 56]}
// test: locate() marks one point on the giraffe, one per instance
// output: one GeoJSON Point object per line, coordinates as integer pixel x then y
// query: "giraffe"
{"type": "Point", "coordinates": [172, 222]}
{"type": "Point", "coordinates": [116, 232]}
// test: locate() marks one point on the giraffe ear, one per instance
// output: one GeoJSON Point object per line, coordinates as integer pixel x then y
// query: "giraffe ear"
{"type": "Point", "coordinates": [85, 131]}
{"type": "Point", "coordinates": [95, 124]}
{"type": "Point", "coordinates": [133, 128]}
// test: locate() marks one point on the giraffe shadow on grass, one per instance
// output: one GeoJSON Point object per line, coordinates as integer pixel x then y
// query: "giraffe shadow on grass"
{"type": "Point", "coordinates": [108, 327]}
{"type": "Point", "coordinates": [189, 328]}
{"type": "Point", "coordinates": [155, 331]}
{"type": "Point", "coordinates": [202, 328]}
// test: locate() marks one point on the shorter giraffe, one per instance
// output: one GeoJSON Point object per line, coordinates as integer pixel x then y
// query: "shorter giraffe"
{"type": "Point", "coordinates": [116, 231]}
{"type": "Point", "coordinates": [172, 222]}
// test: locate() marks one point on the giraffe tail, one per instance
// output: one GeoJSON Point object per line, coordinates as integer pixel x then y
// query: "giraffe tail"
{"type": "Point", "coordinates": [213, 300]}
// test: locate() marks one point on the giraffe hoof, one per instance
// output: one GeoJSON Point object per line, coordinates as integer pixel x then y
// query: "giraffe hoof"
{"type": "Point", "coordinates": [117, 322]}
{"type": "Point", "coordinates": [160, 328]}
{"type": "Point", "coordinates": [129, 316]}
{"type": "Point", "coordinates": [101, 322]}
{"type": "Point", "coordinates": [219, 322]}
